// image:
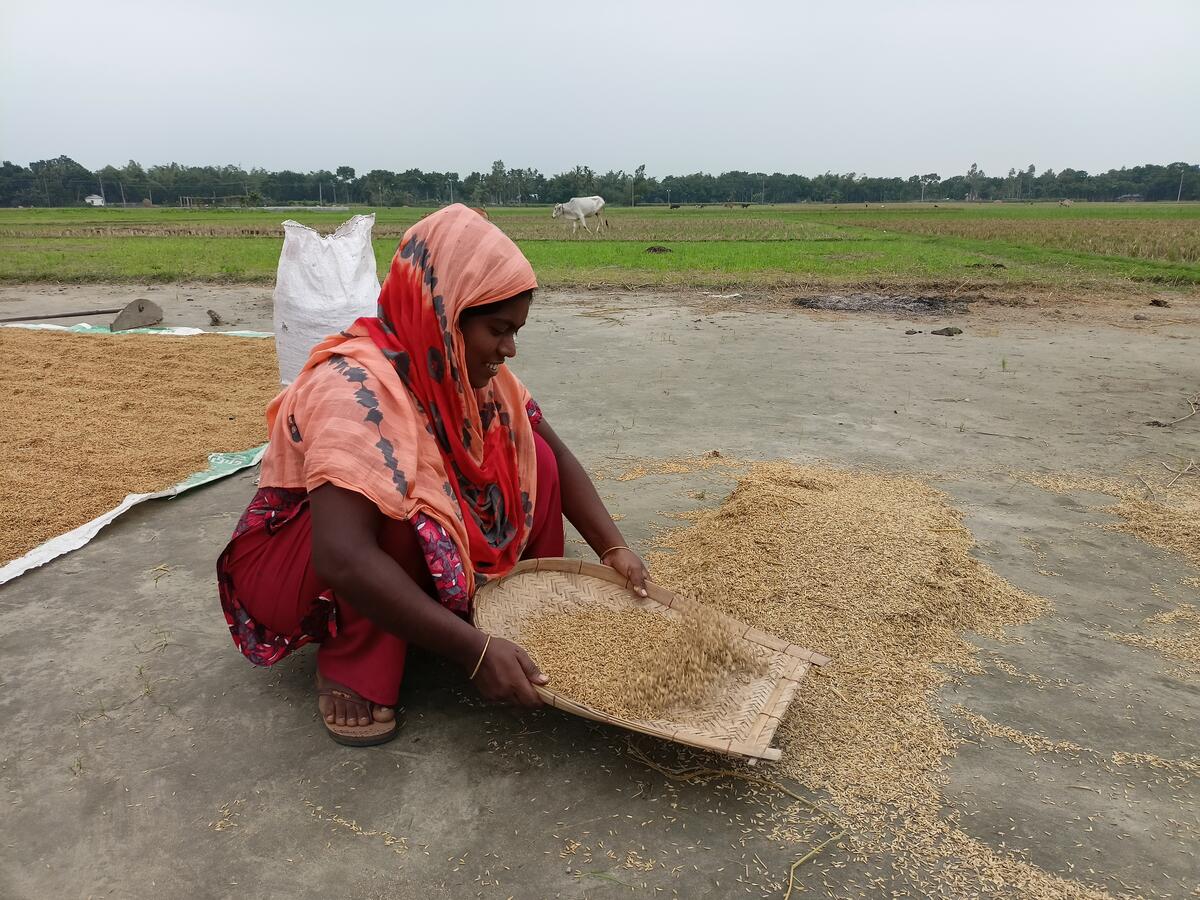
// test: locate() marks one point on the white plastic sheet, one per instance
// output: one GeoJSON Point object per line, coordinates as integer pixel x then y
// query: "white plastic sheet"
{"type": "Point", "coordinates": [323, 284]}
{"type": "Point", "coordinates": [175, 330]}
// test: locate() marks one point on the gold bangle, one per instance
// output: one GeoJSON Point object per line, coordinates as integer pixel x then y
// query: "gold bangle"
{"type": "Point", "coordinates": [482, 653]}
{"type": "Point", "coordinates": [611, 549]}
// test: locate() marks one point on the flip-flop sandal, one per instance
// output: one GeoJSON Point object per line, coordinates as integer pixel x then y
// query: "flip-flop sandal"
{"type": "Point", "coordinates": [358, 735]}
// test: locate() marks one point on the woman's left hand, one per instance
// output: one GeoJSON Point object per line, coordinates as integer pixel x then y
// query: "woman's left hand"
{"type": "Point", "coordinates": [631, 566]}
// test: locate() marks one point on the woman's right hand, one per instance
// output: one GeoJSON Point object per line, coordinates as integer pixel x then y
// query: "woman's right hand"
{"type": "Point", "coordinates": [507, 675]}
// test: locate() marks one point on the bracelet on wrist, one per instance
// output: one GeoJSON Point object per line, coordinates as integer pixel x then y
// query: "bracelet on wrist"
{"type": "Point", "coordinates": [482, 653]}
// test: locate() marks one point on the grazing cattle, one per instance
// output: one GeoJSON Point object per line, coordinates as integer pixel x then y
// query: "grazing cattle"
{"type": "Point", "coordinates": [1066, 202]}
{"type": "Point", "coordinates": [674, 206]}
{"type": "Point", "coordinates": [578, 210]}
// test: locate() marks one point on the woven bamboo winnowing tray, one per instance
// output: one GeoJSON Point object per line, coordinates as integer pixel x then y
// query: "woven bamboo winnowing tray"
{"type": "Point", "coordinates": [740, 722]}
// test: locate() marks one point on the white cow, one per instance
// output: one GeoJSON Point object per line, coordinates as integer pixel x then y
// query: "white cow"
{"type": "Point", "coordinates": [578, 209]}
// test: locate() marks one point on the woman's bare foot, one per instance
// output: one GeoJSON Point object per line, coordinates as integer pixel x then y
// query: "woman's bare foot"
{"type": "Point", "coordinates": [346, 707]}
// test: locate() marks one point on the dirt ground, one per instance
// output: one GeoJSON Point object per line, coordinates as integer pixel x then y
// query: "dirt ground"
{"type": "Point", "coordinates": [142, 754]}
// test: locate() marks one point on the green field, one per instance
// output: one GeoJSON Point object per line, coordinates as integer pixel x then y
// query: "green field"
{"type": "Point", "coordinates": [764, 246]}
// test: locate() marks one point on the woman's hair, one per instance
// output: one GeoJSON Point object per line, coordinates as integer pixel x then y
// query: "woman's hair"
{"type": "Point", "coordinates": [488, 308]}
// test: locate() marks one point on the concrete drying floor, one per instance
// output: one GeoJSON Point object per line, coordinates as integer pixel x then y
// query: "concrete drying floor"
{"type": "Point", "coordinates": [141, 756]}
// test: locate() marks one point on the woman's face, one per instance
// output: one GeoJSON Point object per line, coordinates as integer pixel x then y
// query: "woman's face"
{"type": "Point", "coordinates": [490, 336]}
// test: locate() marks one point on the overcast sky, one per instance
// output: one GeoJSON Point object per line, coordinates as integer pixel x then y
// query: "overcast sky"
{"type": "Point", "coordinates": [883, 88]}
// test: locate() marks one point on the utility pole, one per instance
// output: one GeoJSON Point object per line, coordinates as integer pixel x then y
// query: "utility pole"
{"type": "Point", "coordinates": [320, 194]}
{"type": "Point", "coordinates": [122, 187]}
{"type": "Point", "coordinates": [1179, 196]}
{"type": "Point", "coordinates": [101, 180]}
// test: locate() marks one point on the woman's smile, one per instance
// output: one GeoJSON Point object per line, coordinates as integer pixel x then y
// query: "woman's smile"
{"type": "Point", "coordinates": [490, 336]}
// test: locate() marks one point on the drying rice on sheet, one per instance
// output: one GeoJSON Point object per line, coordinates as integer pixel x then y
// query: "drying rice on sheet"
{"type": "Point", "coordinates": [634, 663]}
{"type": "Point", "coordinates": [875, 571]}
{"type": "Point", "coordinates": [90, 418]}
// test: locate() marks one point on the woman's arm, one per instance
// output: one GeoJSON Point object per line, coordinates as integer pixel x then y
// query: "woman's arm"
{"type": "Point", "coordinates": [347, 557]}
{"type": "Point", "coordinates": [585, 510]}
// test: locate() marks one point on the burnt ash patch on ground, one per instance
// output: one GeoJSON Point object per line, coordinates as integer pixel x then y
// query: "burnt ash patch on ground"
{"type": "Point", "coordinates": [885, 303]}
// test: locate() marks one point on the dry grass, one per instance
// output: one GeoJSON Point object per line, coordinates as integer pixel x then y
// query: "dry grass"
{"type": "Point", "coordinates": [1169, 241]}
{"type": "Point", "coordinates": [635, 663]}
{"type": "Point", "coordinates": [690, 227]}
{"type": "Point", "coordinates": [165, 229]}
{"type": "Point", "coordinates": [91, 418]}
{"type": "Point", "coordinates": [877, 572]}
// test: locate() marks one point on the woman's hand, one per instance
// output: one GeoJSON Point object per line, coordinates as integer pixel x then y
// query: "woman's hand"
{"type": "Point", "coordinates": [630, 565]}
{"type": "Point", "coordinates": [507, 675]}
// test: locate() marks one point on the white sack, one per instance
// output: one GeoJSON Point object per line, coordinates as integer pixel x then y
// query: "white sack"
{"type": "Point", "coordinates": [323, 284]}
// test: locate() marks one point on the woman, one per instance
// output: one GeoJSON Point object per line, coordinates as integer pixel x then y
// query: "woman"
{"type": "Point", "coordinates": [408, 465]}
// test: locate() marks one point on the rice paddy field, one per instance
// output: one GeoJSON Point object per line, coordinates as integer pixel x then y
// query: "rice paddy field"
{"type": "Point", "coordinates": [964, 245]}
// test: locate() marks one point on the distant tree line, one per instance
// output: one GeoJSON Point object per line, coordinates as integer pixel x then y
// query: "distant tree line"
{"type": "Point", "coordinates": [64, 182]}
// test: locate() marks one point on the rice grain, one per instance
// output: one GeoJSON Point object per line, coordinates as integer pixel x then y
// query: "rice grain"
{"type": "Point", "coordinates": [634, 663]}
{"type": "Point", "coordinates": [91, 418]}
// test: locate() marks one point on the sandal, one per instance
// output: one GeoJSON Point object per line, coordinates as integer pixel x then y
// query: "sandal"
{"type": "Point", "coordinates": [358, 735]}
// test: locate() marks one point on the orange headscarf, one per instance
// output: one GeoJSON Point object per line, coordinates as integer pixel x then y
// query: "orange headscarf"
{"type": "Point", "coordinates": [385, 408]}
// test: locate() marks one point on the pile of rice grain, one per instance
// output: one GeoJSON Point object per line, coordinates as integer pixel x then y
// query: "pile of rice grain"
{"type": "Point", "coordinates": [90, 418]}
{"type": "Point", "coordinates": [875, 571]}
{"type": "Point", "coordinates": [634, 663]}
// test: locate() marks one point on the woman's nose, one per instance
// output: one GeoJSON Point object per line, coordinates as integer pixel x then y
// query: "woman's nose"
{"type": "Point", "coordinates": [508, 347]}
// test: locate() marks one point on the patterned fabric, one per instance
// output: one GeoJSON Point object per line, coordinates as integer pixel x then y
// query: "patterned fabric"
{"type": "Point", "coordinates": [534, 412]}
{"type": "Point", "coordinates": [449, 262]}
{"type": "Point", "coordinates": [270, 510]}
{"type": "Point", "coordinates": [445, 563]}
{"type": "Point", "coordinates": [385, 408]}
{"type": "Point", "coordinates": [441, 553]}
